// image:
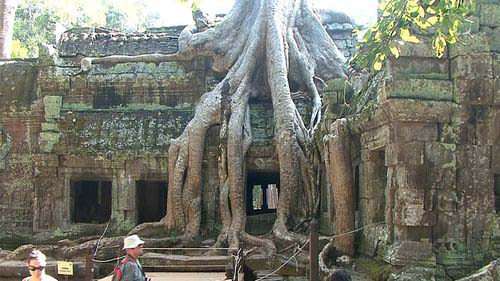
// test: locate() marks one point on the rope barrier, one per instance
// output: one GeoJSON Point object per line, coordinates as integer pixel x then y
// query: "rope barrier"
{"type": "Point", "coordinates": [281, 266]}
{"type": "Point", "coordinates": [110, 260]}
{"type": "Point", "coordinates": [357, 229]}
{"type": "Point", "coordinates": [300, 249]}
{"type": "Point", "coordinates": [207, 248]}
{"type": "Point", "coordinates": [100, 238]}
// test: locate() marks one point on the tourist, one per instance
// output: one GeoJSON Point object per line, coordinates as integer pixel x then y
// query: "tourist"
{"type": "Point", "coordinates": [130, 268]}
{"type": "Point", "coordinates": [36, 266]}
{"type": "Point", "coordinates": [339, 275]}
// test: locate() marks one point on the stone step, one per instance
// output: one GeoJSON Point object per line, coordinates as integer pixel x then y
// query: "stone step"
{"type": "Point", "coordinates": [277, 277]}
{"type": "Point", "coordinates": [155, 259]}
{"type": "Point", "coordinates": [185, 268]}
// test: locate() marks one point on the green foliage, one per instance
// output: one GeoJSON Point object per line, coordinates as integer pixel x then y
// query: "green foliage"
{"type": "Point", "coordinates": [195, 4]}
{"type": "Point", "coordinates": [38, 22]}
{"type": "Point", "coordinates": [400, 20]}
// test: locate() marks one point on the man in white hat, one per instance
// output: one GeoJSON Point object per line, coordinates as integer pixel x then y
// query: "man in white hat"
{"type": "Point", "coordinates": [129, 268]}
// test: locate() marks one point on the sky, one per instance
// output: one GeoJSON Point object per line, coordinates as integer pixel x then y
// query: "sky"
{"type": "Point", "coordinates": [363, 12]}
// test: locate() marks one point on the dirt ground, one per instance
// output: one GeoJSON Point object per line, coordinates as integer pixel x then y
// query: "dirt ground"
{"type": "Point", "coordinates": [182, 276]}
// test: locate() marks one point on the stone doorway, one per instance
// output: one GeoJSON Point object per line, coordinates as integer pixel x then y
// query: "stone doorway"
{"type": "Point", "coordinates": [262, 193]}
{"type": "Point", "coordinates": [261, 201]}
{"type": "Point", "coordinates": [90, 201]}
{"type": "Point", "coordinates": [151, 200]}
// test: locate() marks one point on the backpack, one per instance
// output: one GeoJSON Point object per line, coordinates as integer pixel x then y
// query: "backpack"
{"type": "Point", "coordinates": [117, 273]}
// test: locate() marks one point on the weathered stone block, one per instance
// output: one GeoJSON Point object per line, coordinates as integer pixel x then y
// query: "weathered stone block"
{"type": "Point", "coordinates": [83, 162]}
{"type": "Point", "coordinates": [473, 156]}
{"type": "Point", "coordinates": [376, 139]}
{"type": "Point", "coordinates": [408, 153]}
{"type": "Point", "coordinates": [489, 14]}
{"type": "Point", "coordinates": [420, 89]}
{"type": "Point", "coordinates": [472, 66]}
{"type": "Point", "coordinates": [17, 85]}
{"type": "Point", "coordinates": [423, 49]}
{"type": "Point", "coordinates": [415, 132]}
{"type": "Point", "coordinates": [419, 68]}
{"type": "Point", "coordinates": [495, 159]}
{"type": "Point", "coordinates": [440, 154]}
{"type": "Point", "coordinates": [445, 201]}
{"type": "Point", "coordinates": [374, 240]}
{"type": "Point", "coordinates": [418, 110]}
{"type": "Point", "coordinates": [443, 178]}
{"type": "Point", "coordinates": [494, 128]}
{"type": "Point", "coordinates": [50, 127]}
{"type": "Point", "coordinates": [78, 83]}
{"type": "Point", "coordinates": [48, 140]}
{"type": "Point", "coordinates": [478, 200]}
{"type": "Point", "coordinates": [373, 184]}
{"type": "Point", "coordinates": [46, 160]}
{"type": "Point", "coordinates": [471, 26]}
{"type": "Point", "coordinates": [411, 253]}
{"type": "Point", "coordinates": [486, 133]}
{"type": "Point", "coordinates": [52, 106]}
{"type": "Point", "coordinates": [52, 84]}
{"type": "Point", "coordinates": [494, 37]}
{"type": "Point", "coordinates": [46, 172]}
{"type": "Point", "coordinates": [496, 95]}
{"type": "Point", "coordinates": [472, 44]}
{"type": "Point", "coordinates": [474, 179]}
{"type": "Point", "coordinates": [488, 272]}
{"type": "Point", "coordinates": [412, 273]}
{"type": "Point", "coordinates": [413, 215]}
{"type": "Point", "coordinates": [449, 229]}
{"type": "Point", "coordinates": [476, 91]}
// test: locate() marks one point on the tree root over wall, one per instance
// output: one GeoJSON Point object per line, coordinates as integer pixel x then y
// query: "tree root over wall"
{"type": "Point", "coordinates": [262, 46]}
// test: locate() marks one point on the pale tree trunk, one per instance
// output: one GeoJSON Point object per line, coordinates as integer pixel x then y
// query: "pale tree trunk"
{"type": "Point", "coordinates": [261, 45]}
{"type": "Point", "coordinates": [7, 14]}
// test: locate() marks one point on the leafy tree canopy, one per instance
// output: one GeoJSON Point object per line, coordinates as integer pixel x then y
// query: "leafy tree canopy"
{"type": "Point", "coordinates": [400, 20]}
{"type": "Point", "coordinates": [38, 21]}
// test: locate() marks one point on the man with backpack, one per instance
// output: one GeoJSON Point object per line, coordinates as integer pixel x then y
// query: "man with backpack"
{"type": "Point", "coordinates": [129, 268]}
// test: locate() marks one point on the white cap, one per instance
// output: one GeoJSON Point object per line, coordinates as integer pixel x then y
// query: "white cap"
{"type": "Point", "coordinates": [131, 242]}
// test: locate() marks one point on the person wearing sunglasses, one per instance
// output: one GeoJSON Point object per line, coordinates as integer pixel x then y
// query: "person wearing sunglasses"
{"type": "Point", "coordinates": [36, 266]}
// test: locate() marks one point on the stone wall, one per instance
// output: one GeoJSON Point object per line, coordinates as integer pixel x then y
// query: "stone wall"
{"type": "Point", "coordinates": [429, 160]}
{"type": "Point", "coordinates": [426, 146]}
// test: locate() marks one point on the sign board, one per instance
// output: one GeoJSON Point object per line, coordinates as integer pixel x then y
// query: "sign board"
{"type": "Point", "coordinates": [64, 268]}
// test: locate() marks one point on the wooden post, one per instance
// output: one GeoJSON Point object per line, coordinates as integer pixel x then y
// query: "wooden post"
{"type": "Point", "coordinates": [89, 268]}
{"type": "Point", "coordinates": [313, 251]}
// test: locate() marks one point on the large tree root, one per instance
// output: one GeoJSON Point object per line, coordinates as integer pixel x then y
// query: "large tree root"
{"type": "Point", "coordinates": [261, 45]}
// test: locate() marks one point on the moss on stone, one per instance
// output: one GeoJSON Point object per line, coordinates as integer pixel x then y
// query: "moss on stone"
{"type": "Point", "coordinates": [420, 89]}
{"type": "Point", "coordinates": [52, 106]}
{"type": "Point", "coordinates": [378, 270]}
{"type": "Point", "coordinates": [48, 140]}
{"type": "Point", "coordinates": [77, 106]}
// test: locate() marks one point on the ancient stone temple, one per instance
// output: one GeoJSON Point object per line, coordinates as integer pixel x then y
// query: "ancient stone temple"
{"type": "Point", "coordinates": [78, 149]}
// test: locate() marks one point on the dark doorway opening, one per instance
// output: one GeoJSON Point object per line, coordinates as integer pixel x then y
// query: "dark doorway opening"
{"type": "Point", "coordinates": [380, 184]}
{"type": "Point", "coordinates": [91, 201]}
{"type": "Point", "coordinates": [151, 200]}
{"type": "Point", "coordinates": [262, 193]}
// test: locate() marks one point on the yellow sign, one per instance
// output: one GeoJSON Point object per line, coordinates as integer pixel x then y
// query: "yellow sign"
{"type": "Point", "coordinates": [64, 268]}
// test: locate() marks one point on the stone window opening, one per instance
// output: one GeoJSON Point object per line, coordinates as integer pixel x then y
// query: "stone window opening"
{"type": "Point", "coordinates": [151, 200]}
{"type": "Point", "coordinates": [90, 201]}
{"type": "Point", "coordinates": [262, 193]}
